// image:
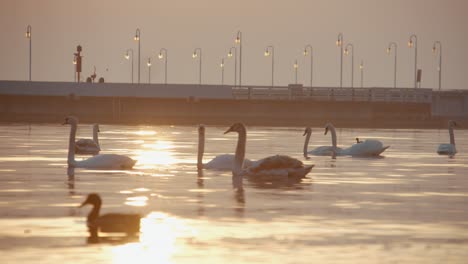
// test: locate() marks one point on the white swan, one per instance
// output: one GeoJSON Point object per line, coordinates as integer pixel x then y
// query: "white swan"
{"type": "Point", "coordinates": [367, 148]}
{"type": "Point", "coordinates": [319, 151]}
{"type": "Point", "coordinates": [274, 167]}
{"type": "Point", "coordinates": [101, 161]}
{"type": "Point", "coordinates": [449, 149]}
{"type": "Point", "coordinates": [220, 162]}
{"type": "Point", "coordinates": [89, 146]}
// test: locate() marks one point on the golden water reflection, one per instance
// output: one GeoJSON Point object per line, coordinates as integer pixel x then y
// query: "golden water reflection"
{"type": "Point", "coordinates": [158, 240]}
{"type": "Point", "coordinates": [155, 154]}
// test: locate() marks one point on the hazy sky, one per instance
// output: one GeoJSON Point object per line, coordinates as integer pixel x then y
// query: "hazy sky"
{"type": "Point", "coordinates": [105, 29]}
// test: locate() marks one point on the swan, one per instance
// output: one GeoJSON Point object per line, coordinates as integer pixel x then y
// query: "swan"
{"type": "Point", "coordinates": [220, 162]}
{"type": "Point", "coordinates": [366, 148]}
{"type": "Point", "coordinates": [109, 223]}
{"type": "Point", "coordinates": [101, 161]}
{"type": "Point", "coordinates": [278, 167]}
{"type": "Point", "coordinates": [449, 149]}
{"type": "Point", "coordinates": [89, 146]}
{"type": "Point", "coordinates": [319, 151]}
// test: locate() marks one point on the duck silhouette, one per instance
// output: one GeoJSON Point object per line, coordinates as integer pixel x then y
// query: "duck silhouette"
{"type": "Point", "coordinates": [109, 223]}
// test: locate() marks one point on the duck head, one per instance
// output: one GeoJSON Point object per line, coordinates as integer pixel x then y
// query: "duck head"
{"type": "Point", "coordinates": [93, 199]}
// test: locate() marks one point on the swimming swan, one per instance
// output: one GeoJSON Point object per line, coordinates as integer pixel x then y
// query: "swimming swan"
{"type": "Point", "coordinates": [273, 167]}
{"type": "Point", "coordinates": [319, 151]}
{"type": "Point", "coordinates": [109, 223]}
{"type": "Point", "coordinates": [367, 148]}
{"type": "Point", "coordinates": [220, 162]}
{"type": "Point", "coordinates": [449, 149]}
{"type": "Point", "coordinates": [89, 146]}
{"type": "Point", "coordinates": [101, 161]}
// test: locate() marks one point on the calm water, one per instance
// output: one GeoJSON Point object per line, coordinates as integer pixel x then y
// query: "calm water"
{"type": "Point", "coordinates": [410, 206]}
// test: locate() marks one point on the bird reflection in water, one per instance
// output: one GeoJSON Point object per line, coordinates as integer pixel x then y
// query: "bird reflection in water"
{"type": "Point", "coordinates": [200, 195]}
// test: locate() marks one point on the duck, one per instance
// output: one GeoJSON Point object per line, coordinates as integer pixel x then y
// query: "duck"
{"type": "Point", "coordinates": [276, 167]}
{"type": "Point", "coordinates": [449, 149]}
{"type": "Point", "coordinates": [89, 146]}
{"type": "Point", "coordinates": [223, 162]}
{"type": "Point", "coordinates": [319, 151]}
{"type": "Point", "coordinates": [100, 161]}
{"type": "Point", "coordinates": [109, 223]}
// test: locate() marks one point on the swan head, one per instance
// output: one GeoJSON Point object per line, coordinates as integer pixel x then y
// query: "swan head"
{"type": "Point", "coordinates": [328, 126]}
{"type": "Point", "coordinates": [96, 127]}
{"type": "Point", "coordinates": [452, 123]}
{"type": "Point", "coordinates": [201, 129]}
{"type": "Point", "coordinates": [308, 130]}
{"type": "Point", "coordinates": [93, 199]}
{"type": "Point", "coordinates": [236, 127]}
{"type": "Point", "coordinates": [70, 120]}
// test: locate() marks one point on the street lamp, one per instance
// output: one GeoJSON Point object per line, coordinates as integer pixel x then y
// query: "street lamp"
{"type": "Point", "coordinates": [306, 52]}
{"type": "Point", "coordinates": [222, 71]}
{"type": "Point", "coordinates": [29, 36]}
{"type": "Point", "coordinates": [339, 43]}
{"type": "Point", "coordinates": [361, 67]}
{"type": "Point", "coordinates": [389, 49]}
{"type": "Point", "coordinates": [161, 56]}
{"type": "Point", "coordinates": [439, 68]}
{"type": "Point", "coordinates": [239, 41]}
{"type": "Point", "coordinates": [413, 42]}
{"type": "Point", "coordinates": [346, 52]}
{"type": "Point", "coordinates": [74, 65]}
{"type": "Point", "coordinates": [137, 38]}
{"type": "Point", "coordinates": [270, 51]}
{"type": "Point", "coordinates": [127, 56]}
{"type": "Point", "coordinates": [149, 70]}
{"type": "Point", "coordinates": [198, 53]}
{"type": "Point", "coordinates": [235, 62]}
{"type": "Point", "coordinates": [296, 66]}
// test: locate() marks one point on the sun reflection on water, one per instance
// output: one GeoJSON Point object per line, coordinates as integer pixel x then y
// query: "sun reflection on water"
{"type": "Point", "coordinates": [156, 154]}
{"type": "Point", "coordinates": [158, 240]}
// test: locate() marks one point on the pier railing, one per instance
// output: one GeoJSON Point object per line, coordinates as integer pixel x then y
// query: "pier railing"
{"type": "Point", "coordinates": [297, 92]}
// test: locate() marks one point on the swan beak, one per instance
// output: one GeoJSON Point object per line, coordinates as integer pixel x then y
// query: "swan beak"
{"type": "Point", "coordinates": [84, 203]}
{"type": "Point", "coordinates": [305, 133]}
{"type": "Point", "coordinates": [227, 131]}
{"type": "Point", "coordinates": [326, 131]}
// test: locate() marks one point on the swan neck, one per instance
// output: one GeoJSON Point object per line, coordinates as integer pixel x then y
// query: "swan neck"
{"type": "Point", "coordinates": [71, 146]}
{"type": "Point", "coordinates": [306, 144]}
{"type": "Point", "coordinates": [239, 160]}
{"type": "Point", "coordinates": [333, 135]}
{"type": "Point", "coordinates": [452, 135]}
{"type": "Point", "coordinates": [201, 149]}
{"type": "Point", "coordinates": [95, 135]}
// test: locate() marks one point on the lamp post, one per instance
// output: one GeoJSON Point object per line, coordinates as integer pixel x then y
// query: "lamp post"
{"type": "Point", "coordinates": [222, 71]}
{"type": "Point", "coordinates": [413, 42]}
{"type": "Point", "coordinates": [29, 36]}
{"type": "Point", "coordinates": [339, 43]}
{"type": "Point", "coordinates": [306, 52]}
{"type": "Point", "coordinates": [389, 49]}
{"type": "Point", "coordinates": [127, 56]}
{"type": "Point", "coordinates": [296, 66]}
{"type": "Point", "coordinates": [198, 53]}
{"type": "Point", "coordinates": [346, 52]}
{"type": "Point", "coordinates": [149, 70]}
{"type": "Point", "coordinates": [439, 68]}
{"type": "Point", "coordinates": [361, 67]}
{"type": "Point", "coordinates": [239, 41]}
{"type": "Point", "coordinates": [74, 65]}
{"type": "Point", "coordinates": [235, 63]}
{"type": "Point", "coordinates": [137, 38]}
{"type": "Point", "coordinates": [270, 51]}
{"type": "Point", "coordinates": [161, 56]}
